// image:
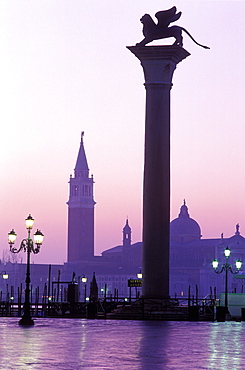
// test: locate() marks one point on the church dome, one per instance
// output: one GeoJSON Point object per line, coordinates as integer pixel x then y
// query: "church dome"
{"type": "Point", "coordinates": [184, 229]}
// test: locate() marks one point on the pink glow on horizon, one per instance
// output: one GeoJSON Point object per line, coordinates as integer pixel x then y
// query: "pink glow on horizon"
{"type": "Point", "coordinates": [60, 76]}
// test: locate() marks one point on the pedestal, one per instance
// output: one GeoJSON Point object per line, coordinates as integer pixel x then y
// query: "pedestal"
{"type": "Point", "coordinates": [159, 63]}
{"type": "Point", "coordinates": [26, 321]}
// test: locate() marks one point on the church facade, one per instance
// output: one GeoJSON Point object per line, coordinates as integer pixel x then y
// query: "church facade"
{"type": "Point", "coordinates": [190, 258]}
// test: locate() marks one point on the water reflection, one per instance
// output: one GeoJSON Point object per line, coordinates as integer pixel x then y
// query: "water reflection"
{"type": "Point", "coordinates": [227, 345]}
{"type": "Point", "coordinates": [74, 344]}
{"type": "Point", "coordinates": [154, 344]}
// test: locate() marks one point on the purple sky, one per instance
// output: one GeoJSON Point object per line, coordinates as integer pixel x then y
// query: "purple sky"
{"type": "Point", "coordinates": [65, 69]}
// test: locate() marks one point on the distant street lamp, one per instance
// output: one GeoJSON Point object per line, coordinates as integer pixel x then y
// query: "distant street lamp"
{"type": "Point", "coordinates": [84, 281]}
{"type": "Point", "coordinates": [4, 275]}
{"type": "Point", "coordinates": [226, 267]}
{"type": "Point", "coordinates": [28, 246]}
{"type": "Point", "coordinates": [139, 275]}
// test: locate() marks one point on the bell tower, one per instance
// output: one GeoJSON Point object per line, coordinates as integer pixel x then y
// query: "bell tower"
{"type": "Point", "coordinates": [127, 235]}
{"type": "Point", "coordinates": [81, 211]}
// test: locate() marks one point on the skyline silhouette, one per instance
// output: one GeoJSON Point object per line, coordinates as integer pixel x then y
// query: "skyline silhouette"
{"type": "Point", "coordinates": [65, 69]}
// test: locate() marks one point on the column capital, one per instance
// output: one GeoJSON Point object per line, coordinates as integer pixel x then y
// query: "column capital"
{"type": "Point", "coordinates": [159, 62]}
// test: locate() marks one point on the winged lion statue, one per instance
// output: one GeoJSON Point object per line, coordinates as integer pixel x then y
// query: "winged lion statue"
{"type": "Point", "coordinates": [161, 30]}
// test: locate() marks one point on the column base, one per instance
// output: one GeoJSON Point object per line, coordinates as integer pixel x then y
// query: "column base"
{"type": "Point", "coordinates": [26, 321]}
{"type": "Point", "coordinates": [156, 297]}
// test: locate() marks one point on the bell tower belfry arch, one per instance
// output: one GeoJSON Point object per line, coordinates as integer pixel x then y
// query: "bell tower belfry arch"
{"type": "Point", "coordinates": [81, 211]}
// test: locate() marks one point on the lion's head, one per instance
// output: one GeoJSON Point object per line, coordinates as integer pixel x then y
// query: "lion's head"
{"type": "Point", "coordinates": [147, 20]}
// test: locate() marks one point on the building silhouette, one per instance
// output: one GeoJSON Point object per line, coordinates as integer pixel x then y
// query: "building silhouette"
{"type": "Point", "coordinates": [81, 211]}
{"type": "Point", "coordinates": [190, 255]}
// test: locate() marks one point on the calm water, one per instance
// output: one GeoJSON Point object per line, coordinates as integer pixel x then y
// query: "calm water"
{"type": "Point", "coordinates": [97, 344]}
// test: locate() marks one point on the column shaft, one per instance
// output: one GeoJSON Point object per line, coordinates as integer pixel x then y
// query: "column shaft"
{"type": "Point", "coordinates": [159, 63]}
{"type": "Point", "coordinates": [156, 192]}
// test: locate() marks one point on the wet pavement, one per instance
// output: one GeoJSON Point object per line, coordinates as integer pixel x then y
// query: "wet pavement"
{"type": "Point", "coordinates": [73, 344]}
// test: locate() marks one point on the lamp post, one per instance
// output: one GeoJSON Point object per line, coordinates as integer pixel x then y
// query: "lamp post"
{"type": "Point", "coordinates": [139, 277]}
{"type": "Point", "coordinates": [5, 277]}
{"type": "Point", "coordinates": [28, 246]}
{"type": "Point", "coordinates": [84, 280]}
{"type": "Point", "coordinates": [226, 267]}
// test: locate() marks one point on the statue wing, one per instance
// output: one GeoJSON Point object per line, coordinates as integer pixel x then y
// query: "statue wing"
{"type": "Point", "coordinates": [165, 17]}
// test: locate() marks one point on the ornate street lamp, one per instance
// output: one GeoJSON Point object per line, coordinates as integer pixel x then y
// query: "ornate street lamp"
{"type": "Point", "coordinates": [28, 246]}
{"type": "Point", "coordinates": [226, 267]}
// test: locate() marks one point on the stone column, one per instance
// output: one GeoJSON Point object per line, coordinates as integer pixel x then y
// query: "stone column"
{"type": "Point", "coordinates": [159, 63]}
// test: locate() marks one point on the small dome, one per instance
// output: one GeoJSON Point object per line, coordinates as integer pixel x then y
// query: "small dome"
{"type": "Point", "coordinates": [184, 229]}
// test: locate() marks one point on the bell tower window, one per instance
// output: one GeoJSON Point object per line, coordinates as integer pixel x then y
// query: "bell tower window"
{"type": "Point", "coordinates": [75, 190]}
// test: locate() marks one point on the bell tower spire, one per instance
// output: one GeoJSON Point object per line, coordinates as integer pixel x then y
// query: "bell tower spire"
{"type": "Point", "coordinates": [81, 211]}
{"type": "Point", "coordinates": [127, 235]}
{"type": "Point", "coordinates": [81, 168]}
